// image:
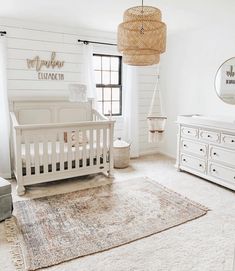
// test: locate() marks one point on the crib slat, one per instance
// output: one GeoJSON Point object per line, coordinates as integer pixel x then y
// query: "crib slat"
{"type": "Point", "coordinates": [45, 155]}
{"type": "Point", "coordinates": [98, 150]}
{"type": "Point", "coordinates": [19, 160]}
{"type": "Point", "coordinates": [111, 161]}
{"type": "Point", "coordinates": [27, 157]}
{"type": "Point", "coordinates": [77, 152]}
{"type": "Point", "coordinates": [104, 146]}
{"type": "Point", "coordinates": [61, 139]}
{"type": "Point", "coordinates": [91, 142]}
{"type": "Point", "coordinates": [69, 149]}
{"type": "Point", "coordinates": [53, 152]}
{"type": "Point", "coordinates": [36, 156]}
{"type": "Point", "coordinates": [84, 147]}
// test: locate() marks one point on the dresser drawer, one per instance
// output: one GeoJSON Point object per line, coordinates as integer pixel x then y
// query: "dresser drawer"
{"type": "Point", "coordinates": [221, 172]}
{"type": "Point", "coordinates": [193, 163]}
{"type": "Point", "coordinates": [209, 136]}
{"type": "Point", "coordinates": [189, 132]}
{"type": "Point", "coordinates": [193, 147]}
{"type": "Point", "coordinates": [222, 155]}
{"type": "Point", "coordinates": [228, 140]}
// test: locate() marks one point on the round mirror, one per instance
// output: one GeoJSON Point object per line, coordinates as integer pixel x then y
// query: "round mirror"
{"type": "Point", "coordinates": [225, 81]}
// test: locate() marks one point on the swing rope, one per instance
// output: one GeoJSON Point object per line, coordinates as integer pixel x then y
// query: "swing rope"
{"type": "Point", "coordinates": [156, 119]}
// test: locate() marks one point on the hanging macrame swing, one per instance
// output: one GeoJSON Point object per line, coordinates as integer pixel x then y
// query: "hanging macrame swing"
{"type": "Point", "coordinates": [156, 118]}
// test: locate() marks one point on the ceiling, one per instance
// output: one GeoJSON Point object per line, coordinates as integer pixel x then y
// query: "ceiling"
{"type": "Point", "coordinates": [107, 14]}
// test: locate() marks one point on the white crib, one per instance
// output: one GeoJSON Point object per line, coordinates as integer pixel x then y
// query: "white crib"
{"type": "Point", "coordinates": [57, 139]}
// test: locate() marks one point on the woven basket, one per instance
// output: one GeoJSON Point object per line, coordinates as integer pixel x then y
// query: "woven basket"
{"type": "Point", "coordinates": [121, 153]}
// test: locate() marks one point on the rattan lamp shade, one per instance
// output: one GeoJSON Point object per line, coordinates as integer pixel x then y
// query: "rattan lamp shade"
{"type": "Point", "coordinates": [142, 36]}
{"type": "Point", "coordinates": [141, 60]}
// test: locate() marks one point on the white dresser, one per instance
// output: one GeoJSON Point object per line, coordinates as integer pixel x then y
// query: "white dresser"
{"type": "Point", "coordinates": [206, 147]}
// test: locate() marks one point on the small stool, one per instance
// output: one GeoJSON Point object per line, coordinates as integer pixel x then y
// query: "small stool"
{"type": "Point", "coordinates": [5, 199]}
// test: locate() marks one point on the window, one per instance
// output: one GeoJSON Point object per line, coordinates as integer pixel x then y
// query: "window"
{"type": "Point", "coordinates": [108, 71]}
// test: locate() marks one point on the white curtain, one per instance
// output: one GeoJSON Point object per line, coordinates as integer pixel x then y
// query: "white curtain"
{"type": "Point", "coordinates": [131, 119]}
{"type": "Point", "coordinates": [89, 74]}
{"type": "Point", "coordinates": [5, 167]}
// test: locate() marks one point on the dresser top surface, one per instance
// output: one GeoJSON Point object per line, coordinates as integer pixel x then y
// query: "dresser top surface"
{"type": "Point", "coordinates": [218, 122]}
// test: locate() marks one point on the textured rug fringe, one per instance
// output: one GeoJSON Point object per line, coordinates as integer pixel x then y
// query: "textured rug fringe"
{"type": "Point", "coordinates": [16, 250]}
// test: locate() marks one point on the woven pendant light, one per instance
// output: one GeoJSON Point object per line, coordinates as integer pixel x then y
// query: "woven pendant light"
{"type": "Point", "coordinates": [141, 60]}
{"type": "Point", "coordinates": [142, 36]}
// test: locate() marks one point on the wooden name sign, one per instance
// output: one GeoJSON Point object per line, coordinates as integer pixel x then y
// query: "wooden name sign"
{"type": "Point", "coordinates": [37, 64]}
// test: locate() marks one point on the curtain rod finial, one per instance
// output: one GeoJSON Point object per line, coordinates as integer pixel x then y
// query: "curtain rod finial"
{"type": "Point", "coordinates": [84, 41]}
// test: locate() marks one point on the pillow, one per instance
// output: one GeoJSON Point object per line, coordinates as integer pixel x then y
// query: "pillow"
{"type": "Point", "coordinates": [81, 139]}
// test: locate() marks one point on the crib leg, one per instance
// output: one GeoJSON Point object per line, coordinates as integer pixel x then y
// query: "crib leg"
{"type": "Point", "coordinates": [110, 173]}
{"type": "Point", "coordinates": [20, 190]}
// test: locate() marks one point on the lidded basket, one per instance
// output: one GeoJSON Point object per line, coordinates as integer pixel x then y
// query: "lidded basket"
{"type": "Point", "coordinates": [121, 153]}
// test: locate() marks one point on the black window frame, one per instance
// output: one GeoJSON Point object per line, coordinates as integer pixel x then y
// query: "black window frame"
{"type": "Point", "coordinates": [119, 85]}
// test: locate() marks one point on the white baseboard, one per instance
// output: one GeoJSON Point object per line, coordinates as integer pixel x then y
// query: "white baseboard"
{"type": "Point", "coordinates": [155, 151]}
{"type": "Point", "coordinates": [5, 176]}
{"type": "Point", "coordinates": [167, 154]}
{"type": "Point", "coordinates": [149, 152]}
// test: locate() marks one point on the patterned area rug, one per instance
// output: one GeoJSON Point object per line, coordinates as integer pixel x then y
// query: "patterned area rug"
{"type": "Point", "coordinates": [54, 229]}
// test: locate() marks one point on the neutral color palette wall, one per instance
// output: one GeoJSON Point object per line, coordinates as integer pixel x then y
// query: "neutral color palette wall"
{"type": "Point", "coordinates": [188, 71]}
{"type": "Point", "coordinates": [26, 40]}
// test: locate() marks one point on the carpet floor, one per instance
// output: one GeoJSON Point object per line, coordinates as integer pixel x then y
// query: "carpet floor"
{"type": "Point", "coordinates": [205, 244]}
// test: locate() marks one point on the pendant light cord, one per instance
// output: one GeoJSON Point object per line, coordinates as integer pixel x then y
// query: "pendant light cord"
{"type": "Point", "coordinates": [142, 26]}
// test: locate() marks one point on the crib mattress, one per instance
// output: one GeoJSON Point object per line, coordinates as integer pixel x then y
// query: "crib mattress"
{"type": "Point", "coordinates": [65, 153]}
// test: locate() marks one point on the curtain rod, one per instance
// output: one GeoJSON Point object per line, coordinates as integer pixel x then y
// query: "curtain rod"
{"type": "Point", "coordinates": [3, 33]}
{"type": "Point", "coordinates": [97, 42]}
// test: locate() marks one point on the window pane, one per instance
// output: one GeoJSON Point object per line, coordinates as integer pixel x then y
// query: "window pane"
{"type": "Point", "coordinates": [99, 94]}
{"type": "Point", "coordinates": [105, 63]}
{"type": "Point", "coordinates": [107, 94]}
{"type": "Point", "coordinates": [115, 107]}
{"type": "Point", "coordinates": [107, 108]}
{"type": "Point", "coordinates": [98, 77]}
{"type": "Point", "coordinates": [115, 94]}
{"type": "Point", "coordinates": [107, 71]}
{"type": "Point", "coordinates": [114, 77]}
{"type": "Point", "coordinates": [114, 63]}
{"type": "Point", "coordinates": [97, 62]}
{"type": "Point", "coordinates": [105, 78]}
{"type": "Point", "coordinates": [100, 109]}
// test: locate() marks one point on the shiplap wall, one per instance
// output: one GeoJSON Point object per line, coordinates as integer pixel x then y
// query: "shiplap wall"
{"type": "Point", "coordinates": [26, 40]}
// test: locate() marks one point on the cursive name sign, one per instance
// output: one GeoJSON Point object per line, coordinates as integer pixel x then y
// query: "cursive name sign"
{"type": "Point", "coordinates": [37, 64]}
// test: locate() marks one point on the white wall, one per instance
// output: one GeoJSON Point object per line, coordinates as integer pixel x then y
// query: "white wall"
{"type": "Point", "coordinates": [26, 40]}
{"type": "Point", "coordinates": [188, 70]}
{"type": "Point", "coordinates": [147, 81]}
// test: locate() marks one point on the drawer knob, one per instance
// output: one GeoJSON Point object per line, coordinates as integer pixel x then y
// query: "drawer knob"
{"type": "Point", "coordinates": [208, 136]}
{"type": "Point", "coordinates": [188, 132]}
{"type": "Point", "coordinates": [214, 153]}
{"type": "Point", "coordinates": [185, 145]}
{"type": "Point", "coordinates": [213, 170]}
{"type": "Point", "coordinates": [200, 165]}
{"type": "Point", "coordinates": [184, 160]}
{"type": "Point", "coordinates": [201, 149]}
{"type": "Point", "coordinates": [232, 141]}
